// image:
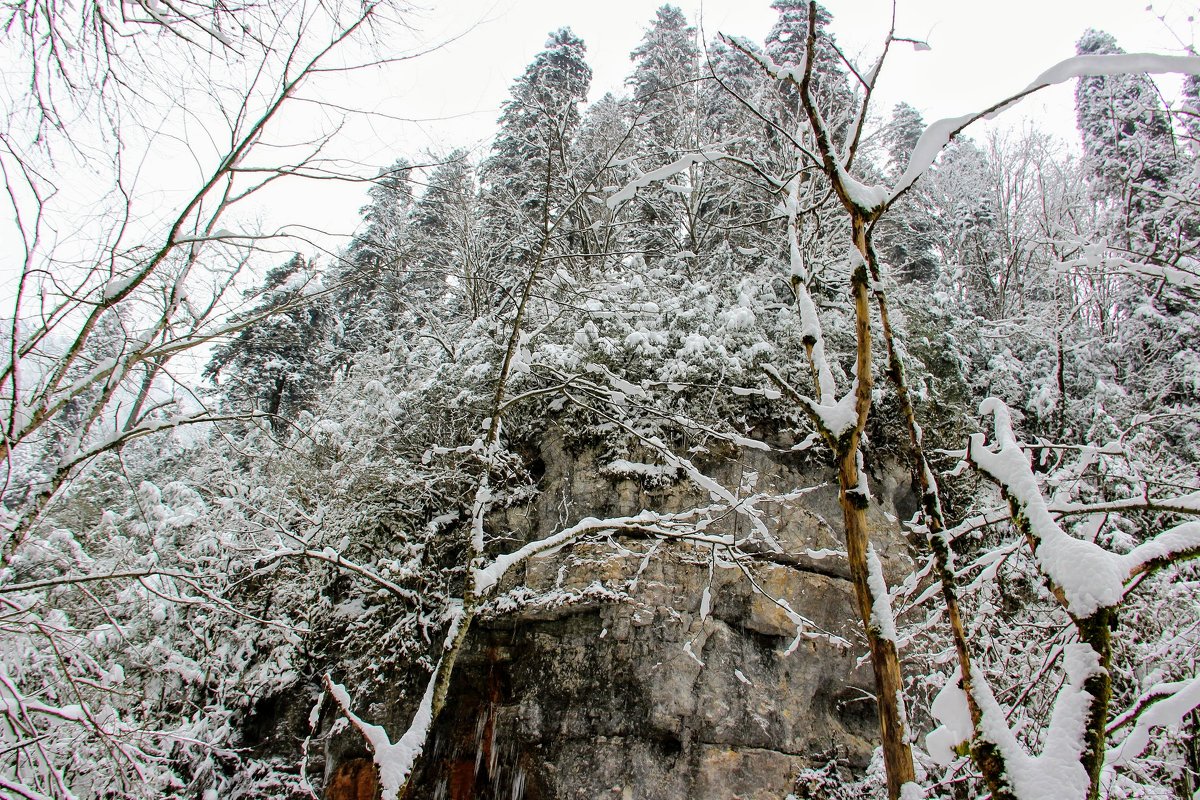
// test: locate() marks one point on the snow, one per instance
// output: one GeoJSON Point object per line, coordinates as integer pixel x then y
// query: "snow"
{"type": "Point", "coordinates": [929, 145]}
{"type": "Point", "coordinates": [837, 418]}
{"type": "Point", "coordinates": [661, 174]}
{"type": "Point", "coordinates": [116, 287]}
{"type": "Point", "coordinates": [806, 629]}
{"type": "Point", "coordinates": [1178, 699]}
{"type": "Point", "coordinates": [486, 578]}
{"type": "Point", "coordinates": [881, 604]}
{"type": "Point", "coordinates": [868, 198]}
{"type": "Point", "coordinates": [1175, 541]}
{"type": "Point", "coordinates": [1057, 771]}
{"type": "Point", "coordinates": [823, 553]}
{"type": "Point", "coordinates": [395, 761]}
{"type": "Point", "coordinates": [738, 318]}
{"type": "Point", "coordinates": [745, 441]}
{"type": "Point", "coordinates": [625, 468]}
{"type": "Point", "coordinates": [810, 322]}
{"type": "Point", "coordinates": [938, 135]}
{"type": "Point", "coordinates": [1114, 64]}
{"type": "Point", "coordinates": [14, 707]}
{"type": "Point", "coordinates": [1090, 576]}
{"type": "Point", "coordinates": [951, 711]}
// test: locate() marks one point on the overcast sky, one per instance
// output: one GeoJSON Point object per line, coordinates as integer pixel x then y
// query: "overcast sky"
{"type": "Point", "coordinates": [981, 51]}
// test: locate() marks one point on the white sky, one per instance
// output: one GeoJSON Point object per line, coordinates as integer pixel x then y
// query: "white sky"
{"type": "Point", "coordinates": [981, 52]}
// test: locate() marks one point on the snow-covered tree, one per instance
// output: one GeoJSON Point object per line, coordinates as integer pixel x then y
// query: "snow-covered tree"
{"type": "Point", "coordinates": [278, 363]}
{"type": "Point", "coordinates": [375, 280]}
{"type": "Point", "coordinates": [1126, 130]}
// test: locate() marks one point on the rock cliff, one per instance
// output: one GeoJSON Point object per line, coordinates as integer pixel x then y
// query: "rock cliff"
{"type": "Point", "coordinates": [642, 668]}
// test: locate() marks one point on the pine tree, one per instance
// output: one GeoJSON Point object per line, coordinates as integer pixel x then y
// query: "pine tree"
{"type": "Point", "coordinates": [1141, 173]}
{"type": "Point", "coordinates": [665, 104]}
{"type": "Point", "coordinates": [373, 282]}
{"type": "Point", "coordinates": [537, 123]}
{"type": "Point", "coordinates": [529, 176]}
{"type": "Point", "coordinates": [906, 234]}
{"type": "Point", "coordinates": [1126, 130]}
{"type": "Point", "coordinates": [787, 45]}
{"type": "Point", "coordinates": [380, 241]}
{"type": "Point", "coordinates": [666, 65]}
{"type": "Point", "coordinates": [600, 152]}
{"type": "Point", "coordinates": [742, 203]}
{"type": "Point", "coordinates": [444, 226]}
{"type": "Point", "coordinates": [901, 135]}
{"type": "Point", "coordinates": [277, 364]}
{"type": "Point", "coordinates": [1189, 113]}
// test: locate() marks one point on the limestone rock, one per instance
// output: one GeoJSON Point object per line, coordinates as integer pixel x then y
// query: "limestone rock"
{"type": "Point", "coordinates": [635, 668]}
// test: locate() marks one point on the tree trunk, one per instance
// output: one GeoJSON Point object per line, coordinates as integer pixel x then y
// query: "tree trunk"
{"type": "Point", "coordinates": [885, 659]}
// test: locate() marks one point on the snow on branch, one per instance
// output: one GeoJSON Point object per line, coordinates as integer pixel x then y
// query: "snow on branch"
{"type": "Point", "coordinates": [1089, 576]}
{"type": "Point", "coordinates": [1163, 706]}
{"type": "Point", "coordinates": [939, 134]}
{"type": "Point", "coordinates": [662, 174]}
{"type": "Point", "coordinates": [1174, 544]}
{"type": "Point", "coordinates": [950, 710]}
{"type": "Point", "coordinates": [833, 417]}
{"type": "Point", "coordinates": [1057, 771]}
{"type": "Point", "coordinates": [331, 556]}
{"type": "Point", "coordinates": [395, 761]}
{"type": "Point", "coordinates": [486, 578]}
{"type": "Point", "coordinates": [1114, 64]}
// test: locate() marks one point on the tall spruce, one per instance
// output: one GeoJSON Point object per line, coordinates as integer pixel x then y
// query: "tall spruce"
{"type": "Point", "coordinates": [742, 203]}
{"type": "Point", "coordinates": [663, 83]}
{"type": "Point", "coordinates": [1127, 135]}
{"type": "Point", "coordinates": [665, 104]}
{"type": "Point", "coordinates": [528, 177]}
{"type": "Point", "coordinates": [786, 45]}
{"type": "Point", "coordinates": [373, 280]}
{"type": "Point", "coordinates": [278, 363]}
{"type": "Point", "coordinates": [445, 237]}
{"type": "Point", "coordinates": [1189, 113]}
{"type": "Point", "coordinates": [537, 124]}
{"type": "Point", "coordinates": [1142, 175]}
{"type": "Point", "coordinates": [906, 234]}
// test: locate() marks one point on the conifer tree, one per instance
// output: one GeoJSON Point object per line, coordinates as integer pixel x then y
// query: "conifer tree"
{"type": "Point", "coordinates": [537, 123]}
{"type": "Point", "coordinates": [905, 235]}
{"type": "Point", "coordinates": [1126, 129]}
{"type": "Point", "coordinates": [277, 364]}
{"type": "Point", "coordinates": [529, 173]}
{"type": "Point", "coordinates": [901, 135]}
{"type": "Point", "coordinates": [444, 230]}
{"type": "Point", "coordinates": [742, 203]}
{"type": "Point", "coordinates": [666, 64]}
{"type": "Point", "coordinates": [373, 280]}
{"type": "Point", "coordinates": [1189, 113]}
{"type": "Point", "coordinates": [665, 102]}
{"type": "Point", "coordinates": [600, 152]}
{"type": "Point", "coordinates": [785, 45]}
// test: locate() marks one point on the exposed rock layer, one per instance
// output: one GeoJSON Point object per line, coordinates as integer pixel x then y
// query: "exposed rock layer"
{"type": "Point", "coordinates": [626, 682]}
{"type": "Point", "coordinates": [632, 667]}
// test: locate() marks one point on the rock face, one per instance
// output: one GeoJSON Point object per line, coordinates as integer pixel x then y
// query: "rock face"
{"type": "Point", "coordinates": [637, 668]}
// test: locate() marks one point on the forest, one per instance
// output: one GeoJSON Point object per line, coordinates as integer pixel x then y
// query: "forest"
{"type": "Point", "coordinates": [266, 505]}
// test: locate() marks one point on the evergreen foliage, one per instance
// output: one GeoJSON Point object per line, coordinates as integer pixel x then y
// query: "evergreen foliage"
{"type": "Point", "coordinates": [279, 363]}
